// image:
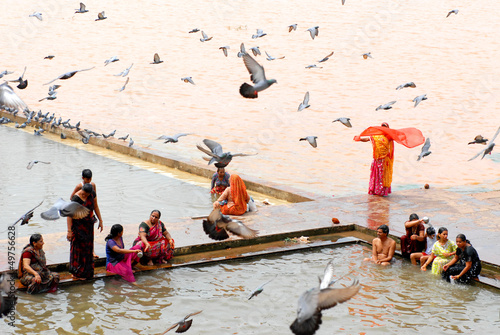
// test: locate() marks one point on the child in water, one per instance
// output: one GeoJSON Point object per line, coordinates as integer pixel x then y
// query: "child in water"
{"type": "Point", "coordinates": [430, 238]}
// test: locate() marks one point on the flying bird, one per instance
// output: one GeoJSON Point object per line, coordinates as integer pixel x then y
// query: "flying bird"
{"type": "Point", "coordinates": [259, 289]}
{"type": "Point", "coordinates": [110, 134]}
{"type": "Point", "coordinates": [111, 60]}
{"type": "Point", "coordinates": [292, 27]}
{"type": "Point", "coordinates": [270, 58]}
{"type": "Point", "coordinates": [124, 85]}
{"type": "Point", "coordinates": [386, 106]}
{"type": "Point", "coordinates": [68, 75]}
{"type": "Point", "coordinates": [255, 51]}
{"type": "Point", "coordinates": [188, 80]}
{"type": "Point", "coordinates": [82, 9]}
{"type": "Point", "coordinates": [367, 55]}
{"type": "Point", "coordinates": [489, 147]}
{"type": "Point", "coordinates": [242, 51]}
{"type": "Point", "coordinates": [326, 58]}
{"type": "Point", "coordinates": [101, 16]}
{"type": "Point", "coordinates": [314, 31]}
{"type": "Point", "coordinates": [65, 208]}
{"type": "Point", "coordinates": [217, 226]}
{"type": "Point", "coordinates": [183, 325]}
{"type": "Point", "coordinates": [49, 57]}
{"type": "Point", "coordinates": [425, 149]}
{"type": "Point", "coordinates": [204, 37]}
{"type": "Point", "coordinates": [314, 300]}
{"type": "Point", "coordinates": [313, 66]}
{"type": "Point", "coordinates": [30, 164]}
{"type": "Point", "coordinates": [5, 72]}
{"type": "Point", "coordinates": [172, 139]}
{"type": "Point", "coordinates": [23, 83]}
{"type": "Point", "coordinates": [224, 49]}
{"type": "Point", "coordinates": [123, 137]}
{"type": "Point", "coordinates": [418, 99]}
{"type": "Point", "coordinates": [195, 30]}
{"type": "Point", "coordinates": [52, 96]}
{"type": "Point", "coordinates": [156, 59]}
{"type": "Point", "coordinates": [479, 140]}
{"type": "Point", "coordinates": [454, 11]}
{"type": "Point", "coordinates": [345, 121]}
{"type": "Point", "coordinates": [217, 155]}
{"type": "Point", "coordinates": [311, 140]}
{"type": "Point", "coordinates": [410, 84]}
{"type": "Point", "coordinates": [259, 33]}
{"type": "Point", "coordinates": [8, 98]}
{"type": "Point", "coordinates": [125, 72]}
{"type": "Point", "coordinates": [305, 103]}
{"type": "Point", "coordinates": [38, 15]}
{"type": "Point", "coordinates": [258, 77]}
{"type": "Point", "coordinates": [27, 216]}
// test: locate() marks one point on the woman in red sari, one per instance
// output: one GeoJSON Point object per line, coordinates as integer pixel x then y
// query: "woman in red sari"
{"type": "Point", "coordinates": [235, 198]}
{"type": "Point", "coordinates": [154, 240]}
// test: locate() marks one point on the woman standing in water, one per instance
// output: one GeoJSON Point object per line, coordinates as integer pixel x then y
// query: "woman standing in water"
{"type": "Point", "coordinates": [442, 252]}
{"type": "Point", "coordinates": [466, 264]}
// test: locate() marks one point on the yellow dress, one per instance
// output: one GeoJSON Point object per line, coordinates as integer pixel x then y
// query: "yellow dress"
{"type": "Point", "coordinates": [438, 250]}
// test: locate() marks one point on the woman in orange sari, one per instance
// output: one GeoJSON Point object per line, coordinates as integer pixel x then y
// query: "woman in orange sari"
{"type": "Point", "coordinates": [235, 198]}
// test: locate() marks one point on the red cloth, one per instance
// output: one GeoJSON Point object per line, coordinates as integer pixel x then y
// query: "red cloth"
{"type": "Point", "coordinates": [409, 137]}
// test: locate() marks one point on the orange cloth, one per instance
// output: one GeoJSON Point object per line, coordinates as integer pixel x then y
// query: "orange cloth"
{"type": "Point", "coordinates": [409, 137]}
{"type": "Point", "coordinates": [383, 148]}
{"type": "Point", "coordinates": [239, 196]}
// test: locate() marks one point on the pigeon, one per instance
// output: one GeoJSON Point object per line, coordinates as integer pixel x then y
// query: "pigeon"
{"type": "Point", "coordinates": [156, 59]}
{"type": "Point", "coordinates": [314, 31]}
{"type": "Point", "coordinates": [30, 164]}
{"type": "Point", "coordinates": [224, 49]}
{"type": "Point", "coordinates": [242, 51]}
{"type": "Point", "coordinates": [314, 300]}
{"type": "Point", "coordinates": [195, 30]}
{"type": "Point", "coordinates": [313, 66]}
{"type": "Point", "coordinates": [311, 140]}
{"type": "Point", "coordinates": [101, 16]}
{"type": "Point", "coordinates": [217, 226]}
{"type": "Point", "coordinates": [85, 137]}
{"type": "Point", "coordinates": [63, 137]}
{"type": "Point", "coordinates": [305, 103]}
{"type": "Point", "coordinates": [258, 77]}
{"type": "Point", "coordinates": [23, 83]}
{"type": "Point", "coordinates": [386, 106]}
{"type": "Point", "coordinates": [183, 325]}
{"type": "Point", "coordinates": [68, 75]}
{"type": "Point", "coordinates": [172, 139]}
{"type": "Point", "coordinates": [123, 137]}
{"type": "Point", "coordinates": [130, 143]}
{"type": "Point", "coordinates": [259, 33]}
{"type": "Point", "coordinates": [292, 27]}
{"type": "Point", "coordinates": [38, 132]}
{"type": "Point", "coordinates": [205, 37]}
{"type": "Point", "coordinates": [110, 134]}
{"type": "Point", "coordinates": [479, 140]}
{"type": "Point", "coordinates": [49, 57]}
{"type": "Point", "coordinates": [124, 85]}
{"type": "Point", "coordinates": [82, 9]}
{"type": "Point", "coordinates": [38, 15]}
{"type": "Point", "coordinates": [343, 2]}
{"type": "Point", "coordinates": [255, 51]}
{"type": "Point", "coordinates": [65, 208]}
{"type": "Point", "coordinates": [425, 149]}
{"type": "Point", "coordinates": [270, 58]}
{"type": "Point", "coordinates": [259, 289]}
{"type": "Point", "coordinates": [52, 96]}
{"type": "Point", "coordinates": [345, 121]}
{"type": "Point", "coordinates": [125, 72]}
{"type": "Point", "coordinates": [326, 58]}
{"type": "Point", "coordinates": [111, 60]}
{"type": "Point", "coordinates": [8, 98]}
{"type": "Point", "coordinates": [4, 73]}
{"type": "Point", "coordinates": [410, 84]}
{"type": "Point", "coordinates": [454, 11]}
{"type": "Point", "coordinates": [27, 216]}
{"type": "Point", "coordinates": [418, 99]}
{"type": "Point", "coordinates": [489, 147]}
{"type": "Point", "coordinates": [188, 80]}
{"type": "Point", "coordinates": [23, 125]}
{"type": "Point", "coordinates": [217, 155]}
{"type": "Point", "coordinates": [53, 88]}
{"type": "Point", "coordinates": [367, 55]}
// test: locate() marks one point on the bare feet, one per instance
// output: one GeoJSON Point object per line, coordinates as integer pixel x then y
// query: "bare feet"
{"type": "Point", "coordinates": [150, 263]}
{"type": "Point", "coordinates": [95, 255]}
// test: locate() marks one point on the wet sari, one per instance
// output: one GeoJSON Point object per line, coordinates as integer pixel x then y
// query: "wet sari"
{"type": "Point", "coordinates": [439, 250]}
{"type": "Point", "coordinates": [49, 281]}
{"type": "Point", "coordinates": [239, 197]}
{"type": "Point", "coordinates": [118, 263]}
{"type": "Point", "coordinates": [381, 169]}
{"type": "Point", "coordinates": [160, 250]}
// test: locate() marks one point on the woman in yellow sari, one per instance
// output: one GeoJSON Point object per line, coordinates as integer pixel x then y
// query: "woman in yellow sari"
{"type": "Point", "coordinates": [235, 198]}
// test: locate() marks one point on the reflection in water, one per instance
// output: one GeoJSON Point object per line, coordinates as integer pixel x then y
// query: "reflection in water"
{"type": "Point", "coordinates": [394, 299]}
{"type": "Point", "coordinates": [378, 212]}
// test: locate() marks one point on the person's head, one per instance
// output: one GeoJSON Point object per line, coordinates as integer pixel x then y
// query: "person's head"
{"type": "Point", "coordinates": [87, 188]}
{"type": "Point", "coordinates": [155, 216]}
{"type": "Point", "coordinates": [431, 232]}
{"type": "Point", "coordinates": [385, 124]}
{"type": "Point", "coordinates": [442, 234]}
{"type": "Point", "coordinates": [413, 217]}
{"type": "Point", "coordinates": [115, 231]}
{"type": "Point", "coordinates": [462, 241]}
{"type": "Point", "coordinates": [382, 231]}
{"type": "Point", "coordinates": [36, 241]}
{"type": "Point", "coordinates": [221, 172]}
{"type": "Point", "coordinates": [87, 176]}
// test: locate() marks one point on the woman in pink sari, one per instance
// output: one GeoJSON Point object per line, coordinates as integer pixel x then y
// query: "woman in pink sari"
{"type": "Point", "coordinates": [119, 259]}
{"type": "Point", "coordinates": [154, 240]}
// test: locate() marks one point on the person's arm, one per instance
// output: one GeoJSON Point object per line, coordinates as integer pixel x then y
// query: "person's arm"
{"type": "Point", "coordinates": [374, 251]}
{"type": "Point", "coordinates": [364, 139]}
{"type": "Point", "coordinates": [28, 268]}
{"type": "Point", "coordinates": [411, 224]}
{"type": "Point", "coordinates": [223, 196]}
{"type": "Point", "coordinates": [77, 188]}
{"type": "Point", "coordinates": [468, 265]}
{"type": "Point", "coordinates": [125, 251]}
{"type": "Point", "coordinates": [212, 184]}
{"type": "Point", "coordinates": [450, 263]}
{"type": "Point", "coordinates": [419, 237]}
{"type": "Point", "coordinates": [145, 242]}
{"type": "Point", "coordinates": [392, 250]}
{"type": "Point", "coordinates": [98, 214]}
{"type": "Point", "coordinates": [69, 222]}
{"type": "Point", "coordinates": [167, 235]}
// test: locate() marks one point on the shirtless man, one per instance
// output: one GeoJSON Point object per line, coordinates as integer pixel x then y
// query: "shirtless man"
{"type": "Point", "coordinates": [383, 247]}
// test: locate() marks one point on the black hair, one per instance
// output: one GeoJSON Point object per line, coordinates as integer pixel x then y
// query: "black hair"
{"type": "Point", "coordinates": [220, 169]}
{"type": "Point", "coordinates": [440, 231]}
{"type": "Point", "coordinates": [431, 231]}
{"type": "Point", "coordinates": [86, 173]}
{"type": "Point", "coordinates": [463, 238]}
{"type": "Point", "coordinates": [88, 188]}
{"type": "Point", "coordinates": [115, 230]}
{"type": "Point", "coordinates": [413, 217]}
{"type": "Point", "coordinates": [384, 229]}
{"type": "Point", "coordinates": [157, 211]}
{"type": "Point", "coordinates": [35, 238]}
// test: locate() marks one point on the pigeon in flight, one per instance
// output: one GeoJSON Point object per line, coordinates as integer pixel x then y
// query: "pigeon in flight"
{"type": "Point", "coordinates": [68, 75]}
{"type": "Point", "coordinates": [259, 289]}
{"type": "Point", "coordinates": [242, 51]}
{"type": "Point", "coordinates": [183, 325]}
{"type": "Point", "coordinates": [110, 134]}
{"type": "Point", "coordinates": [410, 84]}
{"type": "Point", "coordinates": [314, 31]}
{"type": "Point", "coordinates": [8, 98]}
{"type": "Point", "coordinates": [425, 149]}
{"type": "Point", "coordinates": [314, 300]}
{"type": "Point", "coordinates": [30, 164]}
{"type": "Point", "coordinates": [292, 27]}
{"type": "Point", "coordinates": [224, 49]}
{"type": "Point", "coordinates": [5, 72]}
{"type": "Point", "coordinates": [101, 16]}
{"type": "Point", "coordinates": [255, 51]}
{"type": "Point", "coordinates": [188, 80]}
{"type": "Point", "coordinates": [367, 55]}
{"type": "Point", "coordinates": [258, 77]}
{"type": "Point", "coordinates": [65, 208]}
{"type": "Point", "coordinates": [156, 59]}
{"type": "Point", "coordinates": [124, 138]}
{"type": "Point", "coordinates": [345, 121]}
{"type": "Point", "coordinates": [217, 226]}
{"type": "Point", "coordinates": [205, 37]}
{"type": "Point", "coordinates": [27, 216]}
{"type": "Point", "coordinates": [270, 58]}
{"type": "Point", "coordinates": [489, 147]}
{"type": "Point", "coordinates": [326, 58]}
{"type": "Point", "coordinates": [82, 9]}
{"type": "Point", "coordinates": [418, 99]}
{"type": "Point", "coordinates": [124, 85]}
{"type": "Point", "coordinates": [38, 15]}
{"type": "Point", "coordinates": [52, 96]}
{"type": "Point", "coordinates": [311, 140]}
{"type": "Point", "coordinates": [313, 66]}
{"type": "Point", "coordinates": [454, 11]}
{"type": "Point", "coordinates": [23, 83]}
{"type": "Point", "coordinates": [172, 139]}
{"type": "Point", "coordinates": [111, 60]}
{"type": "Point", "coordinates": [259, 33]}
{"type": "Point", "coordinates": [386, 106]}
{"type": "Point", "coordinates": [49, 57]}
{"type": "Point", "coordinates": [305, 103]}
{"type": "Point", "coordinates": [479, 140]}
{"type": "Point", "coordinates": [195, 30]}
{"type": "Point", "coordinates": [217, 155]}
{"type": "Point", "coordinates": [125, 72]}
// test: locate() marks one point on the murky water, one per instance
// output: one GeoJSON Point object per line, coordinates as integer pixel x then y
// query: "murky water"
{"type": "Point", "coordinates": [399, 299]}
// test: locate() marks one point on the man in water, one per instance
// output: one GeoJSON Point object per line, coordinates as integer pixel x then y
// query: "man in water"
{"type": "Point", "coordinates": [383, 247]}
